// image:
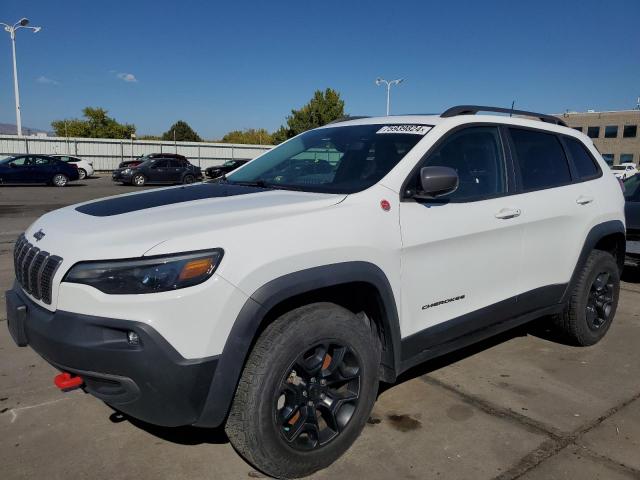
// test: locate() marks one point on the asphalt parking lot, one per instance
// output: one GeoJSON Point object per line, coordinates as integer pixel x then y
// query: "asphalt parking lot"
{"type": "Point", "coordinates": [522, 405]}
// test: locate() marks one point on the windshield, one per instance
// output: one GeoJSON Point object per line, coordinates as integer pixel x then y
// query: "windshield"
{"type": "Point", "coordinates": [345, 159]}
{"type": "Point", "coordinates": [5, 159]}
{"type": "Point", "coordinates": [632, 188]}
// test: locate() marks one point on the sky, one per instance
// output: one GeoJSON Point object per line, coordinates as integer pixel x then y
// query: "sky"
{"type": "Point", "coordinates": [222, 66]}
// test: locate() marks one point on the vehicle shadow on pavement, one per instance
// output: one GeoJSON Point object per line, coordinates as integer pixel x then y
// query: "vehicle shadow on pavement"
{"type": "Point", "coordinates": [186, 435]}
{"type": "Point", "coordinates": [541, 328]}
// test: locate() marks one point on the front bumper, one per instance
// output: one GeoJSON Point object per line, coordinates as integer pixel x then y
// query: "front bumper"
{"type": "Point", "coordinates": [150, 381]}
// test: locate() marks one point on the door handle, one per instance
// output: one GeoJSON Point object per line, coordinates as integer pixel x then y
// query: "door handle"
{"type": "Point", "coordinates": [584, 200]}
{"type": "Point", "coordinates": [507, 213]}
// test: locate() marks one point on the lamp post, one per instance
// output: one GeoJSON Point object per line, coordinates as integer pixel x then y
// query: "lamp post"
{"type": "Point", "coordinates": [12, 29]}
{"type": "Point", "coordinates": [388, 83]}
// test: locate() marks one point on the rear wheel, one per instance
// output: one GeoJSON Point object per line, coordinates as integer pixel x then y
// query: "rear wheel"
{"type": "Point", "coordinates": [59, 180]}
{"type": "Point", "coordinates": [188, 179]}
{"type": "Point", "coordinates": [82, 173]}
{"type": "Point", "coordinates": [593, 302]}
{"type": "Point", "coordinates": [138, 180]}
{"type": "Point", "coordinates": [306, 391]}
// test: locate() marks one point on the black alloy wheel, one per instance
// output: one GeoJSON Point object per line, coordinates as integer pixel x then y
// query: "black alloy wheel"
{"type": "Point", "coordinates": [317, 396]}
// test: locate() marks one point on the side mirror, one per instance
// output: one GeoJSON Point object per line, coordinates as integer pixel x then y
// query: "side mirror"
{"type": "Point", "coordinates": [437, 181]}
{"type": "Point", "coordinates": [12, 165]}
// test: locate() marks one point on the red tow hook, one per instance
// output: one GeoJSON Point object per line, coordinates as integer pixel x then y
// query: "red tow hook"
{"type": "Point", "coordinates": [66, 382]}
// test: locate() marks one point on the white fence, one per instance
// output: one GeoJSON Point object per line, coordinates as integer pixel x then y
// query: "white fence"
{"type": "Point", "coordinates": [106, 154]}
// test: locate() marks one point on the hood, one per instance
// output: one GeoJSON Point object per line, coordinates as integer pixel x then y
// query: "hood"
{"type": "Point", "coordinates": [130, 225]}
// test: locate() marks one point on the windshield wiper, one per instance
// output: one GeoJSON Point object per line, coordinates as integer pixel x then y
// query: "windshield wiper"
{"type": "Point", "coordinates": [254, 183]}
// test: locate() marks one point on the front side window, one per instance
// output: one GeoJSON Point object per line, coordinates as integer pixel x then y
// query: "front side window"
{"type": "Point", "coordinates": [541, 159]}
{"type": "Point", "coordinates": [630, 131]}
{"type": "Point", "coordinates": [18, 162]}
{"type": "Point", "coordinates": [593, 132]}
{"type": "Point", "coordinates": [344, 159]}
{"type": "Point", "coordinates": [611, 131]}
{"type": "Point", "coordinates": [582, 159]}
{"type": "Point", "coordinates": [476, 155]}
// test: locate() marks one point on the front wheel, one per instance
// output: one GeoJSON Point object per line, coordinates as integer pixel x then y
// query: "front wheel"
{"type": "Point", "coordinates": [138, 180]}
{"type": "Point", "coordinates": [593, 302]}
{"type": "Point", "coordinates": [59, 180]}
{"type": "Point", "coordinates": [306, 391]}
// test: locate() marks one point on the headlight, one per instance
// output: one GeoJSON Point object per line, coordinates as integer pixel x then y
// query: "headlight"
{"type": "Point", "coordinates": [126, 170]}
{"type": "Point", "coordinates": [147, 275]}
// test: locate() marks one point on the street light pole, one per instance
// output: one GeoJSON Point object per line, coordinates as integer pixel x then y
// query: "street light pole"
{"type": "Point", "coordinates": [388, 83]}
{"type": "Point", "coordinates": [12, 32]}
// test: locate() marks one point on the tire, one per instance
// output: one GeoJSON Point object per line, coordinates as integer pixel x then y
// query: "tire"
{"type": "Point", "coordinates": [138, 180]}
{"type": "Point", "coordinates": [267, 425]}
{"type": "Point", "coordinates": [82, 174]}
{"type": "Point", "coordinates": [593, 302]}
{"type": "Point", "coordinates": [59, 180]}
{"type": "Point", "coordinates": [188, 179]}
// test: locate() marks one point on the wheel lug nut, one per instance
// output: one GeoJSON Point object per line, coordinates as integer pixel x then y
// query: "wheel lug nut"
{"type": "Point", "coordinates": [304, 393]}
{"type": "Point", "coordinates": [310, 403]}
{"type": "Point", "coordinates": [323, 396]}
{"type": "Point", "coordinates": [323, 382]}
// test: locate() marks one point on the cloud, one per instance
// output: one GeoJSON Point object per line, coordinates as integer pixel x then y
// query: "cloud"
{"type": "Point", "coordinates": [46, 80]}
{"type": "Point", "coordinates": [127, 77]}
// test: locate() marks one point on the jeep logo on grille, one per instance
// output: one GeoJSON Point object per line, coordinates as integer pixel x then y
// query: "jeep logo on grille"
{"type": "Point", "coordinates": [39, 235]}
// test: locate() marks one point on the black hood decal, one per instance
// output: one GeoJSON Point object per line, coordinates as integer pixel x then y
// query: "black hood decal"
{"type": "Point", "coordinates": [158, 198]}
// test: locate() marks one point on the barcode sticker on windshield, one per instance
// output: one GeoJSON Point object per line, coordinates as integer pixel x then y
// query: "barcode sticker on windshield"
{"type": "Point", "coordinates": [414, 129]}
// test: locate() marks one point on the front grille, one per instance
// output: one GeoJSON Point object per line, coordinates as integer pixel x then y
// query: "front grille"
{"type": "Point", "coordinates": [34, 269]}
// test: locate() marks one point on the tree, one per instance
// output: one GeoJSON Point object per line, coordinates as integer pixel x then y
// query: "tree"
{"type": "Point", "coordinates": [250, 135]}
{"type": "Point", "coordinates": [324, 107]}
{"type": "Point", "coordinates": [183, 133]}
{"type": "Point", "coordinates": [97, 124]}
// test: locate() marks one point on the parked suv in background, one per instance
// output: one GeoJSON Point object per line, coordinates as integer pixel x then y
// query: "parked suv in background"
{"type": "Point", "coordinates": [275, 301]}
{"type": "Point", "coordinates": [163, 168]}
{"type": "Point", "coordinates": [624, 170]}
{"type": "Point", "coordinates": [227, 167]}
{"type": "Point", "coordinates": [85, 168]}
{"type": "Point", "coordinates": [37, 169]}
{"type": "Point", "coordinates": [632, 214]}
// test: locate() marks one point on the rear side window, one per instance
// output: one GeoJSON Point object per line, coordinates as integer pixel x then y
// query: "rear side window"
{"type": "Point", "coordinates": [541, 159]}
{"type": "Point", "coordinates": [583, 161]}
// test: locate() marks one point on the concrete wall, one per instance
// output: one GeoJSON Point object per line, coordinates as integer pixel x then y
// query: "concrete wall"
{"type": "Point", "coordinates": [106, 154]}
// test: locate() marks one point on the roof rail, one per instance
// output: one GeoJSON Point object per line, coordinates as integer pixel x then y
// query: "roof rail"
{"type": "Point", "coordinates": [347, 118]}
{"type": "Point", "coordinates": [473, 109]}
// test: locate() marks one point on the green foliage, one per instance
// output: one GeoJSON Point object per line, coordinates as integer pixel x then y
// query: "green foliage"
{"type": "Point", "coordinates": [324, 107]}
{"type": "Point", "coordinates": [250, 136]}
{"type": "Point", "coordinates": [96, 124]}
{"type": "Point", "coordinates": [183, 133]}
{"type": "Point", "coordinates": [149, 137]}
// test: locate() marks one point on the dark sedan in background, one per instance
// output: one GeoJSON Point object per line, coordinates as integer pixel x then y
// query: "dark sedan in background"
{"type": "Point", "coordinates": [227, 167]}
{"type": "Point", "coordinates": [158, 168]}
{"type": "Point", "coordinates": [632, 215]}
{"type": "Point", "coordinates": [37, 169]}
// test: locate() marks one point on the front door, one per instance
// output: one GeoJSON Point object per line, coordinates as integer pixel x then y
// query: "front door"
{"type": "Point", "coordinates": [460, 253]}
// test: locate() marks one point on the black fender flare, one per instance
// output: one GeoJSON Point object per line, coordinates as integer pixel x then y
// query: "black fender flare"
{"type": "Point", "coordinates": [597, 233]}
{"type": "Point", "coordinates": [247, 324]}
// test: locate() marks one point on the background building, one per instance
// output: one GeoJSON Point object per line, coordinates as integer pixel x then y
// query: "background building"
{"type": "Point", "coordinates": [615, 134]}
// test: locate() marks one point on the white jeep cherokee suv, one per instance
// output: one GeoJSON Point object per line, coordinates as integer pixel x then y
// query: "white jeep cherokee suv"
{"type": "Point", "coordinates": [275, 299]}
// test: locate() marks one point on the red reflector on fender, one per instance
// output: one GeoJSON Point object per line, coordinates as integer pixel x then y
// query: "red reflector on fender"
{"type": "Point", "coordinates": [66, 381]}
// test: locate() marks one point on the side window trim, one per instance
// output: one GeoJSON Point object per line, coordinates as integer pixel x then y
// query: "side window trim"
{"type": "Point", "coordinates": [510, 186]}
{"type": "Point", "coordinates": [572, 165]}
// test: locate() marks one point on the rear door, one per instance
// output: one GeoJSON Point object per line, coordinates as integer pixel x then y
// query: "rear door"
{"type": "Point", "coordinates": [558, 205]}
{"type": "Point", "coordinates": [175, 170]}
{"type": "Point", "coordinates": [42, 169]}
{"type": "Point", "coordinates": [460, 252]}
